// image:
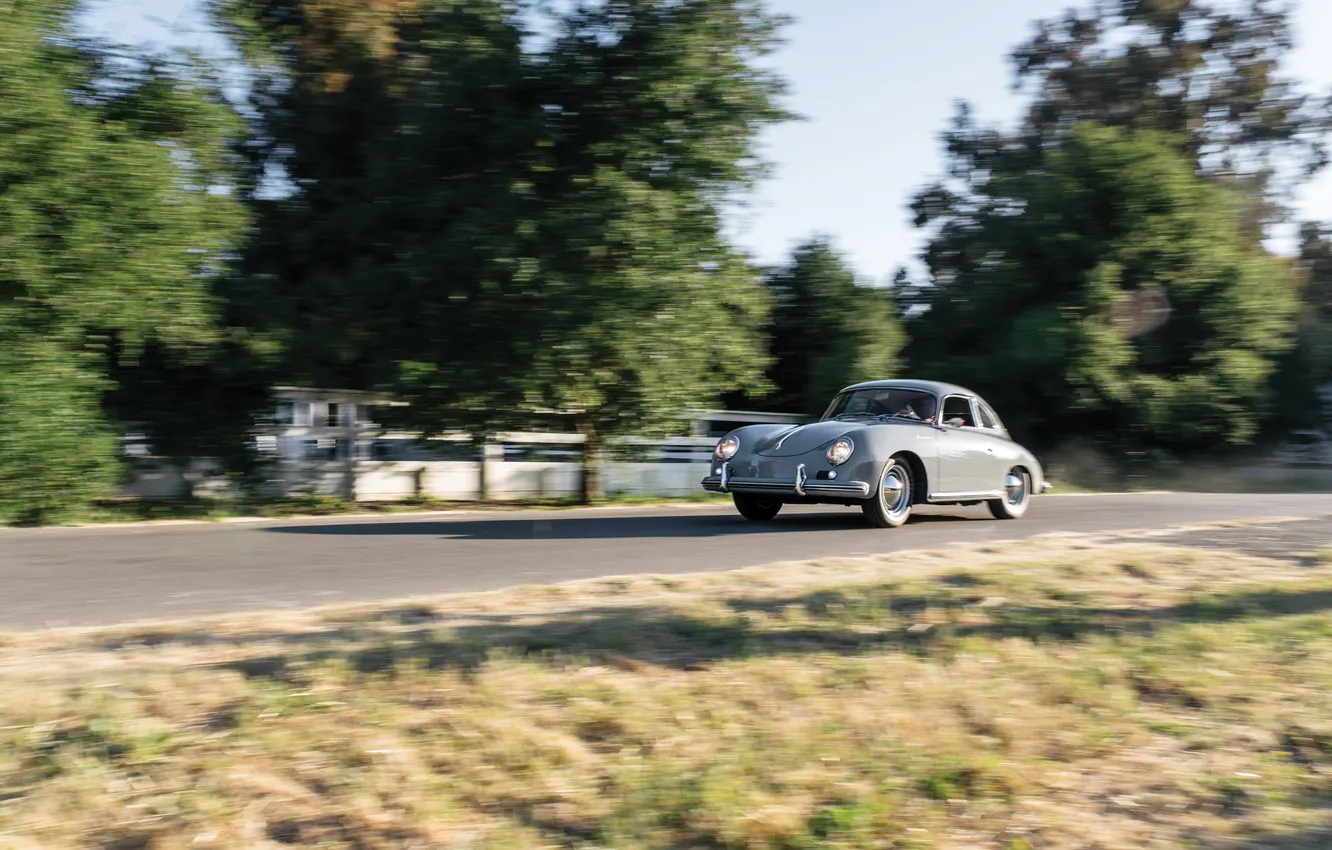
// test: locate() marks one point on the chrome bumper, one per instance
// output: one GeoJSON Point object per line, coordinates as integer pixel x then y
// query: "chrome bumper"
{"type": "Point", "coordinates": [799, 486]}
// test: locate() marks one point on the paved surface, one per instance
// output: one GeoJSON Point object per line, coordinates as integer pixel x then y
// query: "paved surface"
{"type": "Point", "coordinates": [94, 576]}
{"type": "Point", "coordinates": [1299, 542]}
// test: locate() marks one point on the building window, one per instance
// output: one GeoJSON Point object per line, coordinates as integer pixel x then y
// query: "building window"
{"type": "Point", "coordinates": [323, 448]}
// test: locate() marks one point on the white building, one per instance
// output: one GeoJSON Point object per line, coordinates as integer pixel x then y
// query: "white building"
{"type": "Point", "coordinates": [323, 424]}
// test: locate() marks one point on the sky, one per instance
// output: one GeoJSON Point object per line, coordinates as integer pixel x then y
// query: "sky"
{"type": "Point", "coordinates": [876, 81]}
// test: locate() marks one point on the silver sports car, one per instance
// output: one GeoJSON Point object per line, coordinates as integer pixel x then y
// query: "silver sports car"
{"type": "Point", "coordinates": [885, 446]}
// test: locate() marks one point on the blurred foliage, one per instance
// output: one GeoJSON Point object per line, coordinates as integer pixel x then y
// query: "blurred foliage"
{"type": "Point", "coordinates": [1315, 262]}
{"type": "Point", "coordinates": [111, 235]}
{"type": "Point", "coordinates": [1308, 365]}
{"type": "Point", "coordinates": [493, 230]}
{"type": "Point", "coordinates": [1206, 72]}
{"type": "Point", "coordinates": [1032, 317]}
{"type": "Point", "coordinates": [209, 403]}
{"type": "Point", "coordinates": [57, 451]}
{"type": "Point", "coordinates": [651, 113]}
{"type": "Point", "coordinates": [1149, 163]}
{"type": "Point", "coordinates": [828, 331]}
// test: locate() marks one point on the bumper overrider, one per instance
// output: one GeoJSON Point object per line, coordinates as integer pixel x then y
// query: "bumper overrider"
{"type": "Point", "coordinates": [799, 485]}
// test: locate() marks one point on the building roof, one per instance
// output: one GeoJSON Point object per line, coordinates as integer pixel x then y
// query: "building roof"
{"type": "Point", "coordinates": [936, 387]}
{"type": "Point", "coordinates": [288, 393]}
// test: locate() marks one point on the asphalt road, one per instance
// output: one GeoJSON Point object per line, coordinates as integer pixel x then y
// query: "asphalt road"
{"type": "Point", "coordinates": [95, 576]}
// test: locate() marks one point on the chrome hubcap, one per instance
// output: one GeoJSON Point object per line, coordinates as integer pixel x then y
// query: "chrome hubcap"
{"type": "Point", "coordinates": [1016, 487]}
{"type": "Point", "coordinates": [896, 493]}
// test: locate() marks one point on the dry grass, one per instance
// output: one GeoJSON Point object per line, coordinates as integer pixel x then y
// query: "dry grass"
{"type": "Point", "coordinates": [1055, 693]}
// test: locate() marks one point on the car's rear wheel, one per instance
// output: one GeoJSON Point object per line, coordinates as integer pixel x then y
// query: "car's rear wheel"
{"type": "Point", "coordinates": [1016, 498]}
{"type": "Point", "coordinates": [756, 508]}
{"type": "Point", "coordinates": [891, 505]}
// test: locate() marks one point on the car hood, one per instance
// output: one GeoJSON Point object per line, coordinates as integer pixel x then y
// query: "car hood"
{"type": "Point", "coordinates": [800, 439]}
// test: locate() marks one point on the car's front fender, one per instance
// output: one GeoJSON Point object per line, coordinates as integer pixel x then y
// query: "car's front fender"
{"type": "Point", "coordinates": [1024, 456]}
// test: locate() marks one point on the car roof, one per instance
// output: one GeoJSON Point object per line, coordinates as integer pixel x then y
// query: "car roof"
{"type": "Point", "coordinates": [936, 387]}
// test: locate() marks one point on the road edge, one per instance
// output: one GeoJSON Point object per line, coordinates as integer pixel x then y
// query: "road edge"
{"type": "Point", "coordinates": [446, 512]}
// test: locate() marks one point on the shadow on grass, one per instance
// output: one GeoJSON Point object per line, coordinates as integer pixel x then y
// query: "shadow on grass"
{"type": "Point", "coordinates": [1318, 838]}
{"type": "Point", "coordinates": [830, 621]}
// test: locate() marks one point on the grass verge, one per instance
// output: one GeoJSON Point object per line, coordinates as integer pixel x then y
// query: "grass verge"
{"type": "Point", "coordinates": [1051, 693]}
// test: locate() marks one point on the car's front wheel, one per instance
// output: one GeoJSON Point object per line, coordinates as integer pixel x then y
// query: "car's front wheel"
{"type": "Point", "coordinates": [1017, 495]}
{"type": "Point", "coordinates": [891, 506]}
{"type": "Point", "coordinates": [756, 508]}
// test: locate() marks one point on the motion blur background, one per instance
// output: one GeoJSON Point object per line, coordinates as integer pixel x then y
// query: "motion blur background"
{"type": "Point", "coordinates": [471, 220]}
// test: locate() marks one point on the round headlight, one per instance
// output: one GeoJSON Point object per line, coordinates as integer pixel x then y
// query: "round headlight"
{"type": "Point", "coordinates": [840, 451]}
{"type": "Point", "coordinates": [727, 448]}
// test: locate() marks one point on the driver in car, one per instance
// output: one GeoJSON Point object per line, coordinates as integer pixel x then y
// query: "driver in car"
{"type": "Point", "coordinates": [921, 408]}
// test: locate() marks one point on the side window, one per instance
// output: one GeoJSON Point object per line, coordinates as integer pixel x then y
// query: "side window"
{"type": "Point", "coordinates": [989, 418]}
{"type": "Point", "coordinates": [986, 417]}
{"type": "Point", "coordinates": [958, 407]}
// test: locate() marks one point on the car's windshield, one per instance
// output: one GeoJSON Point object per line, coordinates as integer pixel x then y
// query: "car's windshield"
{"type": "Point", "coordinates": [883, 401]}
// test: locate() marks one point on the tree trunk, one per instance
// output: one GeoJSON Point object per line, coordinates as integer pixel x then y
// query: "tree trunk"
{"type": "Point", "coordinates": [593, 487]}
{"type": "Point", "coordinates": [479, 442]}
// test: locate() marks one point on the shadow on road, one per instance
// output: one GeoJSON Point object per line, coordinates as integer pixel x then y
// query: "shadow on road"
{"type": "Point", "coordinates": [610, 527]}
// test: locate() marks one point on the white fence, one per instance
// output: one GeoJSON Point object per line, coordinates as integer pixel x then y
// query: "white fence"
{"type": "Point", "coordinates": [384, 482]}
{"type": "Point", "coordinates": [388, 481]}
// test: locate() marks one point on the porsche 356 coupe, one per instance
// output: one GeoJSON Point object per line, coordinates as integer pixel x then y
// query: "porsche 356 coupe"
{"type": "Point", "coordinates": [884, 446]}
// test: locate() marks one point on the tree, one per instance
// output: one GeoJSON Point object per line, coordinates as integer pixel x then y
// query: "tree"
{"type": "Point", "coordinates": [405, 131]}
{"type": "Point", "coordinates": [1199, 79]}
{"type": "Point", "coordinates": [1315, 259]}
{"type": "Point", "coordinates": [653, 107]}
{"type": "Point", "coordinates": [495, 232]}
{"type": "Point", "coordinates": [1307, 367]}
{"type": "Point", "coordinates": [112, 231]}
{"type": "Point", "coordinates": [1047, 310]}
{"type": "Point", "coordinates": [1206, 73]}
{"type": "Point", "coordinates": [827, 330]}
